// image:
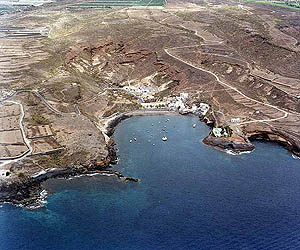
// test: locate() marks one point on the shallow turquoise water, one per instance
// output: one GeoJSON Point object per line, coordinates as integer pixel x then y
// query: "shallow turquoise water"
{"type": "Point", "coordinates": [190, 197]}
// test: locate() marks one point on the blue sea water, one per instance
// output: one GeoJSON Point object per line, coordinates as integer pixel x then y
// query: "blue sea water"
{"type": "Point", "coordinates": [190, 197]}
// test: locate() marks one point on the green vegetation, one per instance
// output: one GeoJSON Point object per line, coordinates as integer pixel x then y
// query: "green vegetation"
{"type": "Point", "coordinates": [115, 3]}
{"type": "Point", "coordinates": [291, 5]}
{"type": "Point", "coordinates": [50, 161]}
{"type": "Point", "coordinates": [56, 159]}
{"type": "Point", "coordinates": [3, 10]}
{"type": "Point", "coordinates": [21, 175]}
{"type": "Point", "coordinates": [31, 100]}
{"type": "Point", "coordinates": [38, 119]}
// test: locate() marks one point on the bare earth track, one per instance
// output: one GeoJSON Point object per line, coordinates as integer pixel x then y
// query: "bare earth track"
{"type": "Point", "coordinates": [71, 73]}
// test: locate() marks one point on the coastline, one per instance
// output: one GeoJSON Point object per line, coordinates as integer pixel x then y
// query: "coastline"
{"type": "Point", "coordinates": [27, 193]}
{"type": "Point", "coordinates": [114, 121]}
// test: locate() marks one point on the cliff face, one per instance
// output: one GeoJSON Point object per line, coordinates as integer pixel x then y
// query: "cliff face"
{"type": "Point", "coordinates": [228, 143]}
{"type": "Point", "coordinates": [91, 66]}
{"type": "Point", "coordinates": [239, 144]}
{"type": "Point", "coordinates": [290, 141]}
{"type": "Point", "coordinates": [27, 190]}
{"type": "Point", "coordinates": [111, 60]}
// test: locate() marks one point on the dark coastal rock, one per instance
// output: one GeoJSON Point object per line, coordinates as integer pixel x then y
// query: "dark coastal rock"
{"type": "Point", "coordinates": [25, 191]}
{"type": "Point", "coordinates": [226, 143]}
{"type": "Point", "coordinates": [126, 179]}
{"type": "Point", "coordinates": [289, 141]}
{"type": "Point", "coordinates": [114, 122]}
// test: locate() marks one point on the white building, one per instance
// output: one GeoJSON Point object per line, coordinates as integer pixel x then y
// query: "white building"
{"type": "Point", "coordinates": [151, 105]}
{"type": "Point", "coordinates": [219, 132]}
{"type": "Point", "coordinates": [235, 120]}
{"type": "Point", "coordinates": [184, 96]}
{"type": "Point", "coordinates": [204, 108]}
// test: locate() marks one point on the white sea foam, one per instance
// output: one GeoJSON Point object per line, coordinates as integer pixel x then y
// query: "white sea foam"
{"type": "Point", "coordinates": [107, 174]}
{"type": "Point", "coordinates": [90, 175]}
{"type": "Point", "coordinates": [231, 152]}
{"type": "Point", "coordinates": [93, 174]}
{"type": "Point", "coordinates": [40, 202]}
{"type": "Point", "coordinates": [296, 157]}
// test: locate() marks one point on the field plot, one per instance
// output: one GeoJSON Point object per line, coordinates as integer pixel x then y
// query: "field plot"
{"type": "Point", "coordinates": [44, 146]}
{"type": "Point", "coordinates": [114, 3]}
{"type": "Point", "coordinates": [39, 131]}
{"type": "Point", "coordinates": [42, 140]}
{"type": "Point", "coordinates": [285, 4]}
{"type": "Point", "coordinates": [9, 123]}
{"type": "Point", "coordinates": [15, 59]}
{"type": "Point", "coordinates": [11, 138]}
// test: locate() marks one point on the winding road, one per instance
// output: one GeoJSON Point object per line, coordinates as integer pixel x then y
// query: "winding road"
{"type": "Point", "coordinates": [284, 113]}
{"type": "Point", "coordinates": [26, 141]}
{"type": "Point", "coordinates": [4, 162]}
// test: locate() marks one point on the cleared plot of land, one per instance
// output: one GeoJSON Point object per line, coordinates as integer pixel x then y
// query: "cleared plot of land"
{"type": "Point", "coordinates": [285, 4]}
{"type": "Point", "coordinates": [11, 137]}
{"type": "Point", "coordinates": [39, 131]}
{"type": "Point", "coordinates": [9, 123]}
{"type": "Point", "coordinates": [9, 110]}
{"type": "Point", "coordinates": [45, 146]}
{"type": "Point", "coordinates": [9, 117]}
{"type": "Point", "coordinates": [12, 150]}
{"type": "Point", "coordinates": [113, 3]}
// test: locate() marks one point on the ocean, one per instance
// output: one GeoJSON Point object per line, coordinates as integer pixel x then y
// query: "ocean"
{"type": "Point", "coordinates": [190, 196]}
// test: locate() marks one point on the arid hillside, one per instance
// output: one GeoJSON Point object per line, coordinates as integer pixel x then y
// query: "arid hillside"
{"type": "Point", "coordinates": [68, 71]}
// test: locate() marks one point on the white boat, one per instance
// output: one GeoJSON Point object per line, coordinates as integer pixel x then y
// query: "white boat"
{"type": "Point", "coordinates": [164, 138]}
{"type": "Point", "coordinates": [194, 125]}
{"type": "Point", "coordinates": [130, 141]}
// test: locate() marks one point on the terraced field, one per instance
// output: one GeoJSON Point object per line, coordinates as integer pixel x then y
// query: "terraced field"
{"type": "Point", "coordinates": [113, 3]}
{"type": "Point", "coordinates": [72, 70]}
{"type": "Point", "coordinates": [284, 4]}
{"type": "Point", "coordinates": [19, 47]}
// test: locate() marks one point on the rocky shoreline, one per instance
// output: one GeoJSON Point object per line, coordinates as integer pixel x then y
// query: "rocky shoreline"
{"type": "Point", "coordinates": [234, 144]}
{"type": "Point", "coordinates": [229, 144]}
{"type": "Point", "coordinates": [285, 139]}
{"type": "Point", "coordinates": [26, 192]}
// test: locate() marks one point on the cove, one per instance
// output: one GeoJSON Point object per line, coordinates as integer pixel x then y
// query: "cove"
{"type": "Point", "coordinates": [190, 196]}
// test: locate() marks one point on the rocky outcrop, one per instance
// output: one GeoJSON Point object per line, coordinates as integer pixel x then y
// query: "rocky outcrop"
{"type": "Point", "coordinates": [87, 51]}
{"type": "Point", "coordinates": [228, 143]}
{"type": "Point", "coordinates": [135, 56]}
{"type": "Point", "coordinates": [288, 140]}
{"type": "Point", "coordinates": [25, 191]}
{"type": "Point", "coordinates": [114, 122]}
